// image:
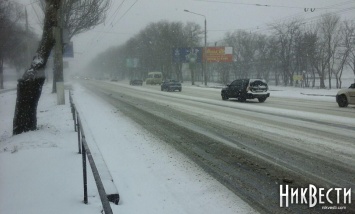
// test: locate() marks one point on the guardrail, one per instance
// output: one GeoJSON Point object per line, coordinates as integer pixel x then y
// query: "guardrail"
{"type": "Point", "coordinates": [86, 153]}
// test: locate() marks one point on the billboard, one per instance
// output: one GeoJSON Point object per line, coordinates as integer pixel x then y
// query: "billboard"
{"type": "Point", "coordinates": [196, 54]}
{"type": "Point", "coordinates": [219, 54]}
{"type": "Point", "coordinates": [187, 55]}
{"type": "Point", "coordinates": [297, 77]}
{"type": "Point", "coordinates": [132, 62]}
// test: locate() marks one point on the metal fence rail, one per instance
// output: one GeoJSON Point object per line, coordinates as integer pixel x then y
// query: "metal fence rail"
{"type": "Point", "coordinates": [86, 154]}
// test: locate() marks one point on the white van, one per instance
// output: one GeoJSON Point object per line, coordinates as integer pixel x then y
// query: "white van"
{"type": "Point", "coordinates": [154, 78]}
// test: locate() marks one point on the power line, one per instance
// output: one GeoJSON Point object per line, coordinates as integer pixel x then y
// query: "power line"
{"type": "Point", "coordinates": [126, 12]}
{"type": "Point", "coordinates": [287, 18]}
{"type": "Point", "coordinates": [116, 12]}
{"type": "Point", "coordinates": [315, 18]}
{"type": "Point", "coordinates": [259, 5]}
{"type": "Point", "coordinates": [96, 37]}
{"type": "Point", "coordinates": [110, 32]}
{"type": "Point", "coordinates": [24, 5]}
{"type": "Point", "coordinates": [308, 20]}
{"type": "Point", "coordinates": [100, 34]}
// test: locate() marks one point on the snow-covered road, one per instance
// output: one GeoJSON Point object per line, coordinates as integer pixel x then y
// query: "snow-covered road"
{"type": "Point", "coordinates": [151, 176]}
{"type": "Point", "coordinates": [299, 145]}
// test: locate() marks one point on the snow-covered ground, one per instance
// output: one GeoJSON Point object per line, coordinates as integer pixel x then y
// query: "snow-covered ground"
{"type": "Point", "coordinates": [41, 171]}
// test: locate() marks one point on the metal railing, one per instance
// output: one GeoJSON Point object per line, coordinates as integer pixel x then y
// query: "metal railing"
{"type": "Point", "coordinates": [86, 153]}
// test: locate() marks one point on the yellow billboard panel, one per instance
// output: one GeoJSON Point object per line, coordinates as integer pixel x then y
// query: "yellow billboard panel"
{"type": "Point", "coordinates": [219, 54]}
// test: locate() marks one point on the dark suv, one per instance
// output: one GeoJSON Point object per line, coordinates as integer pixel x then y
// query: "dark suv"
{"type": "Point", "coordinates": [136, 82]}
{"type": "Point", "coordinates": [171, 85]}
{"type": "Point", "coordinates": [244, 89]}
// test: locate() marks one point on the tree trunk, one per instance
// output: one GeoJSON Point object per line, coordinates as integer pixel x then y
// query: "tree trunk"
{"type": "Point", "coordinates": [322, 82]}
{"type": "Point", "coordinates": [28, 94]}
{"type": "Point", "coordinates": [192, 69]}
{"type": "Point", "coordinates": [336, 81]}
{"type": "Point", "coordinates": [276, 79]}
{"type": "Point", "coordinates": [330, 78]}
{"type": "Point", "coordinates": [285, 79]}
{"type": "Point", "coordinates": [291, 79]}
{"type": "Point", "coordinates": [192, 77]}
{"type": "Point", "coordinates": [29, 88]}
{"type": "Point", "coordinates": [313, 77]}
{"type": "Point", "coordinates": [178, 72]}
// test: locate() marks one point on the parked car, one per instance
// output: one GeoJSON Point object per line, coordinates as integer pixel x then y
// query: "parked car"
{"type": "Point", "coordinates": [136, 82]}
{"type": "Point", "coordinates": [171, 85]}
{"type": "Point", "coordinates": [244, 89]}
{"type": "Point", "coordinates": [154, 78]}
{"type": "Point", "coordinates": [345, 97]}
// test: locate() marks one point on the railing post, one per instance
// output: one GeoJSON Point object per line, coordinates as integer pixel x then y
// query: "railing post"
{"type": "Point", "coordinates": [75, 119]}
{"type": "Point", "coordinates": [78, 129]}
{"type": "Point", "coordinates": [84, 172]}
{"type": "Point", "coordinates": [73, 110]}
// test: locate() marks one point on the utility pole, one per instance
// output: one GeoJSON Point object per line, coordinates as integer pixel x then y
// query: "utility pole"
{"type": "Point", "coordinates": [329, 69]}
{"type": "Point", "coordinates": [28, 60]}
{"type": "Point", "coordinates": [58, 78]}
{"type": "Point", "coordinates": [204, 63]}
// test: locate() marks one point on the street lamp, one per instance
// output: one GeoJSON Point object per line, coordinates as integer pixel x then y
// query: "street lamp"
{"type": "Point", "coordinates": [205, 49]}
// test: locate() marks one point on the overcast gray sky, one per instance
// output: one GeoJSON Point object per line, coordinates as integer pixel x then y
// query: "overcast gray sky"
{"type": "Point", "coordinates": [222, 16]}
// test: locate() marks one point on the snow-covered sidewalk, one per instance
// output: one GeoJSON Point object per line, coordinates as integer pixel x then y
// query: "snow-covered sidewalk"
{"type": "Point", "coordinates": [41, 171]}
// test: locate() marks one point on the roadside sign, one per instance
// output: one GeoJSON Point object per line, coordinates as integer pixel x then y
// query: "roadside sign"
{"type": "Point", "coordinates": [187, 55]}
{"type": "Point", "coordinates": [219, 54]}
{"type": "Point", "coordinates": [297, 77]}
{"type": "Point", "coordinates": [132, 62]}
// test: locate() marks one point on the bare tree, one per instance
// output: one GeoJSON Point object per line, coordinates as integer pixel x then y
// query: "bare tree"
{"type": "Point", "coordinates": [351, 57]}
{"type": "Point", "coordinates": [29, 87]}
{"type": "Point", "coordinates": [329, 26]}
{"type": "Point", "coordinates": [79, 16]}
{"type": "Point", "coordinates": [245, 46]}
{"type": "Point", "coordinates": [317, 53]}
{"type": "Point", "coordinates": [153, 47]}
{"type": "Point", "coordinates": [310, 39]}
{"type": "Point", "coordinates": [287, 34]}
{"type": "Point", "coordinates": [266, 60]}
{"type": "Point", "coordinates": [341, 53]}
